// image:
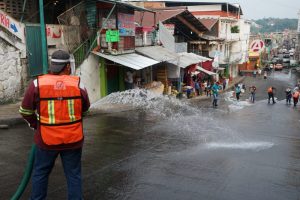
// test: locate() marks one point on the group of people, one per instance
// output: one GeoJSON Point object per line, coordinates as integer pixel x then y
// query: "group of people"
{"type": "Point", "coordinates": [240, 87]}
{"type": "Point", "coordinates": [289, 94]}
{"type": "Point", "coordinates": [295, 94]}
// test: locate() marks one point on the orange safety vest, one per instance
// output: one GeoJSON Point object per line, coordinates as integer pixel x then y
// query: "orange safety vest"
{"type": "Point", "coordinates": [270, 90]}
{"type": "Point", "coordinates": [60, 111]}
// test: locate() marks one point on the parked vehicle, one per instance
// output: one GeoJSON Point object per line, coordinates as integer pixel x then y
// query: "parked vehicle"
{"type": "Point", "coordinates": [278, 66]}
{"type": "Point", "coordinates": [293, 63]}
{"type": "Point", "coordinates": [286, 60]}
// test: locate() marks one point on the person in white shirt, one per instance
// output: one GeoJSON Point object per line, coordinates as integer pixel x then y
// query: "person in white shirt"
{"type": "Point", "coordinates": [129, 80]}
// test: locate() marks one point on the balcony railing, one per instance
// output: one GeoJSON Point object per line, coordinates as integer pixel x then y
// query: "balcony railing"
{"type": "Point", "coordinates": [83, 49]}
{"type": "Point", "coordinates": [230, 36]}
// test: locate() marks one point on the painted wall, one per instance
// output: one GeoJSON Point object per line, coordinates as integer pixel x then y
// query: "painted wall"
{"type": "Point", "coordinates": [13, 72]}
{"type": "Point", "coordinates": [205, 8]}
{"type": "Point", "coordinates": [89, 73]}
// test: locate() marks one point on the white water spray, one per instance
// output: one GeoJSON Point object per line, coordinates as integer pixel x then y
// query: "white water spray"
{"type": "Point", "coordinates": [184, 121]}
{"type": "Point", "coordinates": [146, 100]}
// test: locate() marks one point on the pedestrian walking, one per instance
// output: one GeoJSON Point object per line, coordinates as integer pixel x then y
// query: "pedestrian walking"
{"type": "Point", "coordinates": [53, 106]}
{"type": "Point", "coordinates": [252, 93]}
{"type": "Point", "coordinates": [265, 74]}
{"type": "Point", "coordinates": [259, 72]}
{"type": "Point", "coordinates": [224, 84]}
{"type": "Point", "coordinates": [296, 97]}
{"type": "Point", "coordinates": [254, 73]}
{"type": "Point", "coordinates": [271, 91]}
{"type": "Point", "coordinates": [237, 92]}
{"type": "Point", "coordinates": [205, 87]}
{"type": "Point", "coordinates": [208, 90]}
{"type": "Point", "coordinates": [288, 95]}
{"type": "Point", "coordinates": [197, 88]}
{"type": "Point", "coordinates": [215, 91]}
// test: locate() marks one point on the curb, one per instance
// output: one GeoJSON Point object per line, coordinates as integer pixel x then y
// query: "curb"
{"type": "Point", "coordinates": [11, 121]}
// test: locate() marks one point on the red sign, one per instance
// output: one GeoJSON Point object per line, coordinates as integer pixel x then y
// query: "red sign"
{"type": "Point", "coordinates": [257, 46]}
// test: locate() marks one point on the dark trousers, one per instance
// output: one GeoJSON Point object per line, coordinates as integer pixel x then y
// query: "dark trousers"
{"type": "Point", "coordinates": [271, 95]}
{"type": "Point", "coordinates": [43, 164]}
{"type": "Point", "coordinates": [295, 100]}
{"type": "Point", "coordinates": [208, 92]}
{"type": "Point", "coordinates": [288, 99]}
{"type": "Point", "coordinates": [238, 96]}
{"type": "Point", "coordinates": [252, 97]}
{"type": "Point", "coordinates": [215, 99]}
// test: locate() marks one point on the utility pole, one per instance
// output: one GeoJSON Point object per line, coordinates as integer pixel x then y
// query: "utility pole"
{"type": "Point", "coordinates": [43, 38]}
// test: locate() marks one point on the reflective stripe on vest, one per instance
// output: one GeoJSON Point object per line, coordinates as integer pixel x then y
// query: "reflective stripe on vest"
{"type": "Point", "coordinates": [60, 111]}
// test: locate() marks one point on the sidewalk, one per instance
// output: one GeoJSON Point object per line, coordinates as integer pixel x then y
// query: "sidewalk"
{"type": "Point", "coordinates": [9, 113]}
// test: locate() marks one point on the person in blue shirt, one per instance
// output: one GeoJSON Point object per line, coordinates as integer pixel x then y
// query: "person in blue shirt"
{"type": "Point", "coordinates": [215, 92]}
{"type": "Point", "coordinates": [237, 92]}
{"type": "Point", "coordinates": [197, 87]}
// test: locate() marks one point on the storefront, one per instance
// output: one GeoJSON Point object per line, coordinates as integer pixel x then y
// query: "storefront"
{"type": "Point", "coordinates": [113, 70]}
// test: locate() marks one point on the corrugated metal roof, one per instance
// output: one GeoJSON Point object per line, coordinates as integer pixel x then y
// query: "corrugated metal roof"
{"type": "Point", "coordinates": [187, 59]}
{"type": "Point", "coordinates": [208, 23]}
{"type": "Point", "coordinates": [159, 53]}
{"type": "Point", "coordinates": [147, 19]}
{"type": "Point", "coordinates": [131, 60]}
{"type": "Point", "coordinates": [126, 5]}
{"type": "Point", "coordinates": [162, 54]}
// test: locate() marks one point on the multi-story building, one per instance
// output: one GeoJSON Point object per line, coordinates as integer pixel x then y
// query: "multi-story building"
{"type": "Point", "coordinates": [297, 57]}
{"type": "Point", "coordinates": [227, 38]}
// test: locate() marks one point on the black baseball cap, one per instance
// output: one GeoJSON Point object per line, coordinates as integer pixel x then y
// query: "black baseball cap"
{"type": "Point", "coordinates": [59, 59]}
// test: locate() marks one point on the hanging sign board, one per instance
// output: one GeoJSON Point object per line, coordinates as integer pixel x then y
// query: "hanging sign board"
{"type": "Point", "coordinates": [257, 46]}
{"type": "Point", "coordinates": [13, 26]}
{"type": "Point", "coordinates": [112, 36]}
{"type": "Point", "coordinates": [126, 24]}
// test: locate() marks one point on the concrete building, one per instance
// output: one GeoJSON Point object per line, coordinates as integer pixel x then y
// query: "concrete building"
{"type": "Point", "coordinates": [298, 40]}
{"type": "Point", "coordinates": [226, 41]}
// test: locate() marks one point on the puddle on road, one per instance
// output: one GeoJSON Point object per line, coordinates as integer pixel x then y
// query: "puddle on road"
{"type": "Point", "coordinates": [182, 121]}
{"type": "Point", "coordinates": [235, 105]}
{"type": "Point", "coordinates": [255, 146]}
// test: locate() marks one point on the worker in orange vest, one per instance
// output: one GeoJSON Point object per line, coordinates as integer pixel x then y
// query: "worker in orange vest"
{"type": "Point", "coordinates": [53, 106]}
{"type": "Point", "coordinates": [271, 91]}
{"type": "Point", "coordinates": [296, 97]}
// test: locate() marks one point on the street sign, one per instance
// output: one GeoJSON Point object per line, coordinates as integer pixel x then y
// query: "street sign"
{"type": "Point", "coordinates": [13, 26]}
{"type": "Point", "coordinates": [257, 46]}
{"type": "Point", "coordinates": [112, 36]}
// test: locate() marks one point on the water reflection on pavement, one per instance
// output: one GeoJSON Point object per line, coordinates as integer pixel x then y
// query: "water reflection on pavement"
{"type": "Point", "coordinates": [238, 151]}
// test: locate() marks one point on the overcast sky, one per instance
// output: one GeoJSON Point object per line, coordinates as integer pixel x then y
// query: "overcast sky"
{"type": "Point", "coordinates": [257, 9]}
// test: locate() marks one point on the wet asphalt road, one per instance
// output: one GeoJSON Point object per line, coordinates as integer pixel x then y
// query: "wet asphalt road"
{"type": "Point", "coordinates": [237, 151]}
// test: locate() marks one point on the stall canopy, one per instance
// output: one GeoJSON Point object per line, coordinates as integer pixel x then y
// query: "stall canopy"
{"type": "Point", "coordinates": [159, 54]}
{"type": "Point", "coordinates": [205, 71]}
{"type": "Point", "coordinates": [162, 54]}
{"type": "Point", "coordinates": [131, 60]}
{"type": "Point", "coordinates": [187, 59]}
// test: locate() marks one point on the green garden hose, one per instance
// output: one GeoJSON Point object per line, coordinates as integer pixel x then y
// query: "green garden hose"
{"type": "Point", "coordinates": [26, 176]}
